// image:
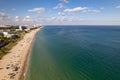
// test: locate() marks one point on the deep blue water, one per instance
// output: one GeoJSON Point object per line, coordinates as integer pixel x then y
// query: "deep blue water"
{"type": "Point", "coordinates": [75, 53]}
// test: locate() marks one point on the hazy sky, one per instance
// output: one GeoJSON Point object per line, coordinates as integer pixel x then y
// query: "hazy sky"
{"type": "Point", "coordinates": [79, 12]}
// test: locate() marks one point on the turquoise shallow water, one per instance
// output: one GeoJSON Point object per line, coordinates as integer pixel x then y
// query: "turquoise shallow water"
{"type": "Point", "coordinates": [75, 53]}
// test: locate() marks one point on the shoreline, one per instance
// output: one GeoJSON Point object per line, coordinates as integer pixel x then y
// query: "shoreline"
{"type": "Point", "coordinates": [26, 64]}
{"type": "Point", "coordinates": [18, 56]}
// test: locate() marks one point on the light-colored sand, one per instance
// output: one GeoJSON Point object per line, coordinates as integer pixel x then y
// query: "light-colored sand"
{"type": "Point", "coordinates": [16, 56]}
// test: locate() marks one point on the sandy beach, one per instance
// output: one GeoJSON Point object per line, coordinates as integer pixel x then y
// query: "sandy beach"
{"type": "Point", "coordinates": [12, 65]}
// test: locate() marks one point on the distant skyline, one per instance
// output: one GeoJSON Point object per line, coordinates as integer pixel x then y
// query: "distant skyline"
{"type": "Point", "coordinates": [60, 12]}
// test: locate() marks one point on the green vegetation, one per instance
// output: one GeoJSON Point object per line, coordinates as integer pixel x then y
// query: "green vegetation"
{"type": "Point", "coordinates": [7, 43]}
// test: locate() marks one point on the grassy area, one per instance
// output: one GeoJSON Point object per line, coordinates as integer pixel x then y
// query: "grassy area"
{"type": "Point", "coordinates": [12, 42]}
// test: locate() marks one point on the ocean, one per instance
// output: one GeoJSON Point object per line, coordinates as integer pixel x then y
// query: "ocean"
{"type": "Point", "coordinates": [75, 53]}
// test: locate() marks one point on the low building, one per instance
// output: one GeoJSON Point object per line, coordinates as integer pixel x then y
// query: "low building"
{"type": "Point", "coordinates": [6, 34]}
{"type": "Point", "coordinates": [27, 29]}
{"type": "Point", "coordinates": [37, 25]}
{"type": "Point", "coordinates": [20, 28]}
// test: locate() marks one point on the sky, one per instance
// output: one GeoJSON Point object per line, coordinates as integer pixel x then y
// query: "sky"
{"type": "Point", "coordinates": [60, 12]}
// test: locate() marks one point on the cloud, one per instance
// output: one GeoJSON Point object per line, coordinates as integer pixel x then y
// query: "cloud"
{"type": "Point", "coordinates": [69, 19]}
{"type": "Point", "coordinates": [48, 19]}
{"type": "Point", "coordinates": [60, 5]}
{"type": "Point", "coordinates": [3, 16]}
{"type": "Point", "coordinates": [77, 9]}
{"type": "Point", "coordinates": [83, 9]}
{"type": "Point", "coordinates": [23, 19]}
{"type": "Point", "coordinates": [102, 8]}
{"type": "Point", "coordinates": [17, 18]}
{"type": "Point", "coordinates": [27, 19]}
{"type": "Point", "coordinates": [65, 1]}
{"type": "Point", "coordinates": [6, 19]}
{"type": "Point", "coordinates": [37, 10]}
{"type": "Point", "coordinates": [94, 11]}
{"type": "Point", "coordinates": [13, 9]}
{"type": "Point", "coordinates": [62, 19]}
{"type": "Point", "coordinates": [118, 7]}
{"type": "Point", "coordinates": [61, 13]}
